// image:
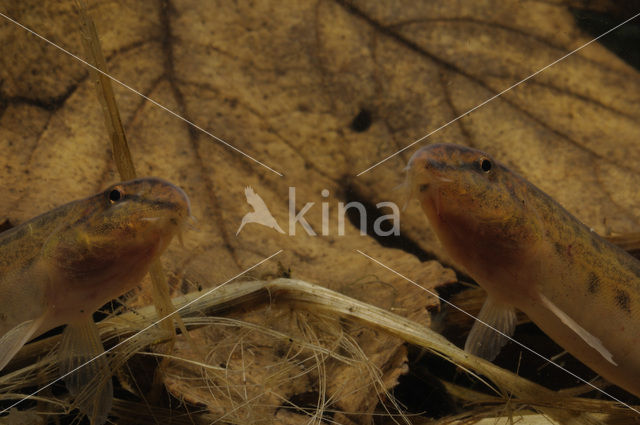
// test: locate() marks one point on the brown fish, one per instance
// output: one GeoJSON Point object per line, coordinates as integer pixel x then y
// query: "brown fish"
{"type": "Point", "coordinates": [61, 266]}
{"type": "Point", "coordinates": [529, 253]}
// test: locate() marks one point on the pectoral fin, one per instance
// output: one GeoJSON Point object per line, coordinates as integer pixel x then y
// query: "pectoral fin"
{"type": "Point", "coordinates": [587, 337]}
{"type": "Point", "coordinates": [12, 341]}
{"type": "Point", "coordinates": [89, 384]}
{"type": "Point", "coordinates": [485, 342]}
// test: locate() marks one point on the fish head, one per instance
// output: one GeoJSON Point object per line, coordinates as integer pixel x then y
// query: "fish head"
{"type": "Point", "coordinates": [477, 207]}
{"type": "Point", "coordinates": [112, 238]}
{"type": "Point", "coordinates": [142, 211]}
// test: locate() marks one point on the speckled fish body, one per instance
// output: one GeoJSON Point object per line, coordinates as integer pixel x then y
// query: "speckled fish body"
{"type": "Point", "coordinates": [61, 266]}
{"type": "Point", "coordinates": [73, 259]}
{"type": "Point", "coordinates": [528, 252]}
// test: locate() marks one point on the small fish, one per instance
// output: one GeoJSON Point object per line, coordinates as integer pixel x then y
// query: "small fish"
{"type": "Point", "coordinates": [529, 253]}
{"type": "Point", "coordinates": [61, 266]}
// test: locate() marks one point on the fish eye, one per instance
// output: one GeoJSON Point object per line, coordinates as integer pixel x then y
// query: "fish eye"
{"type": "Point", "coordinates": [115, 195]}
{"type": "Point", "coordinates": [485, 165]}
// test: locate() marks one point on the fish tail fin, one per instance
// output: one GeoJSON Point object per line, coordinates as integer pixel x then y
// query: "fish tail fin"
{"type": "Point", "coordinates": [12, 341]}
{"type": "Point", "coordinates": [82, 359]}
{"type": "Point", "coordinates": [484, 340]}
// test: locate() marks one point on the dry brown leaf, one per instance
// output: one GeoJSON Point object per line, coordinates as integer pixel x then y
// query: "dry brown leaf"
{"type": "Point", "coordinates": [284, 82]}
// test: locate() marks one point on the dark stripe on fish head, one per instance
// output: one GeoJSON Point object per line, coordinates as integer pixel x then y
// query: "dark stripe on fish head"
{"type": "Point", "coordinates": [127, 225]}
{"type": "Point", "coordinates": [478, 208]}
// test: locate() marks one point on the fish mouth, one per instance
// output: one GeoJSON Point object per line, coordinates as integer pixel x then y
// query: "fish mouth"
{"type": "Point", "coordinates": [162, 197]}
{"type": "Point", "coordinates": [164, 210]}
{"type": "Point", "coordinates": [421, 155]}
{"type": "Point", "coordinates": [181, 193]}
{"type": "Point", "coordinates": [185, 221]}
{"type": "Point", "coordinates": [421, 174]}
{"type": "Point", "coordinates": [190, 222]}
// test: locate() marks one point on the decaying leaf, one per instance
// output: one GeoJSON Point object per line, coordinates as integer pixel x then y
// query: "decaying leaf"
{"type": "Point", "coordinates": [318, 91]}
